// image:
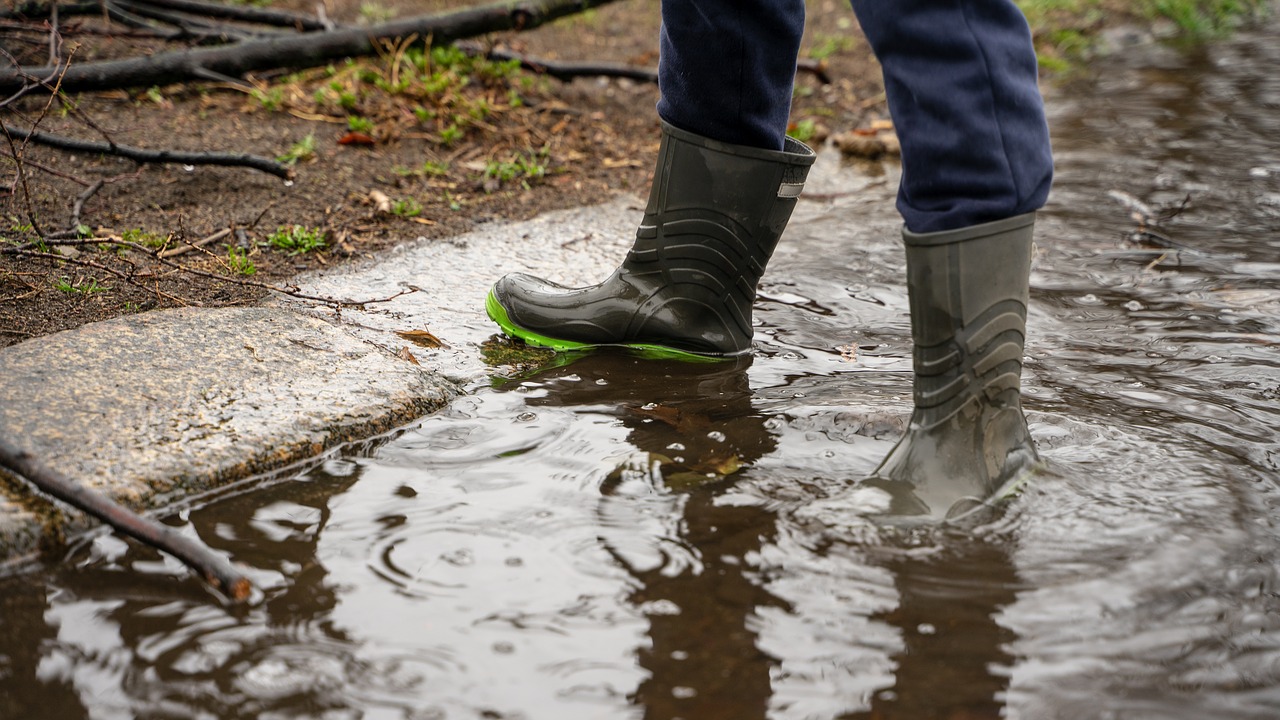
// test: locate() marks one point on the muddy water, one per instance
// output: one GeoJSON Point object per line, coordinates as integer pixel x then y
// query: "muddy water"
{"type": "Point", "coordinates": [611, 538]}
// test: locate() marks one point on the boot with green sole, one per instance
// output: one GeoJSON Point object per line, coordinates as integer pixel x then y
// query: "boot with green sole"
{"type": "Point", "coordinates": [967, 444]}
{"type": "Point", "coordinates": [686, 288]}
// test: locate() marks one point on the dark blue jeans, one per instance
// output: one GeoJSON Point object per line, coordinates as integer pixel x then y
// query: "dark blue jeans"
{"type": "Point", "coordinates": [960, 76]}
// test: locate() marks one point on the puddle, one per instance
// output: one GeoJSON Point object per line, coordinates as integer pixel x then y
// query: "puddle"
{"type": "Point", "coordinates": [617, 538]}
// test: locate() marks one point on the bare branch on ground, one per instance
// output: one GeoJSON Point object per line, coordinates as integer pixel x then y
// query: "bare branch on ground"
{"type": "Point", "coordinates": [262, 16]}
{"type": "Point", "coordinates": [143, 155]}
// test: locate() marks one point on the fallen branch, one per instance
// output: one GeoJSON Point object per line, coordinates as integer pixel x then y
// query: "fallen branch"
{"type": "Point", "coordinates": [215, 569]}
{"type": "Point", "coordinates": [262, 16]}
{"type": "Point", "coordinates": [140, 24]}
{"type": "Point", "coordinates": [300, 51]}
{"type": "Point", "coordinates": [143, 155]}
{"type": "Point", "coordinates": [81, 199]}
{"type": "Point", "coordinates": [567, 70]}
{"type": "Point", "coordinates": [130, 278]}
{"type": "Point", "coordinates": [201, 243]}
{"type": "Point", "coordinates": [192, 27]}
{"type": "Point", "coordinates": [45, 9]}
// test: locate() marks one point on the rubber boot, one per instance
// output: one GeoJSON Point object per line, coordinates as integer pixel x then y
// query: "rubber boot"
{"type": "Point", "coordinates": [686, 288]}
{"type": "Point", "coordinates": [967, 441]}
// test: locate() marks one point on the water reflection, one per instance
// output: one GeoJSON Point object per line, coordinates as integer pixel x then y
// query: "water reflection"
{"type": "Point", "coordinates": [695, 430]}
{"type": "Point", "coordinates": [954, 664]}
{"type": "Point", "coordinates": [708, 590]}
{"type": "Point", "coordinates": [126, 633]}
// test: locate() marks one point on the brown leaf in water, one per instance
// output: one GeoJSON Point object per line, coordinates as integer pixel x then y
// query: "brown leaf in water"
{"type": "Point", "coordinates": [685, 422]}
{"type": "Point", "coordinates": [727, 466]}
{"type": "Point", "coordinates": [423, 338]}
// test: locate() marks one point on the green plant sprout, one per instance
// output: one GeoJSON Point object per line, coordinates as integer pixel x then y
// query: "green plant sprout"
{"type": "Point", "coordinates": [297, 239]}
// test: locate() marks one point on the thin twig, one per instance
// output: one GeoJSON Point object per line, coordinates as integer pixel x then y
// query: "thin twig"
{"type": "Point", "coordinates": [55, 41]}
{"type": "Point", "coordinates": [130, 20]}
{"type": "Point", "coordinates": [22, 179]}
{"type": "Point", "coordinates": [262, 16]}
{"type": "Point", "coordinates": [31, 250]}
{"type": "Point", "coordinates": [43, 9]}
{"type": "Point", "coordinates": [563, 70]}
{"type": "Point", "coordinates": [56, 173]}
{"type": "Point", "coordinates": [190, 26]}
{"type": "Point", "coordinates": [30, 82]}
{"type": "Point", "coordinates": [81, 199]}
{"type": "Point", "coordinates": [20, 152]}
{"type": "Point", "coordinates": [80, 262]}
{"type": "Point", "coordinates": [183, 249]}
{"type": "Point", "coordinates": [143, 155]}
{"type": "Point", "coordinates": [215, 569]}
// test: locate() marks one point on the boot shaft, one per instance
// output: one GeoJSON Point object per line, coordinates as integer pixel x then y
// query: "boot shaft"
{"type": "Point", "coordinates": [968, 296]}
{"type": "Point", "coordinates": [714, 216]}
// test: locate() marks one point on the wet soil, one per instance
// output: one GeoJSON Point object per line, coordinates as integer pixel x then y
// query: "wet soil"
{"type": "Point", "coordinates": [594, 137]}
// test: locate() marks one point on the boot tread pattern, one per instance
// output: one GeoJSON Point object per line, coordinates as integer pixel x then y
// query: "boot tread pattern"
{"type": "Point", "coordinates": [984, 359]}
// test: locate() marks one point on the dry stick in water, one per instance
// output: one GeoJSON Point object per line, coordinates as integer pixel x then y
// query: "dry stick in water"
{"type": "Point", "coordinates": [215, 569]}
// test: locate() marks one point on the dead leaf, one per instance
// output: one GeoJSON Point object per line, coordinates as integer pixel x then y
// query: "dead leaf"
{"type": "Point", "coordinates": [404, 354]}
{"type": "Point", "coordinates": [380, 201]}
{"type": "Point", "coordinates": [315, 117]}
{"type": "Point", "coordinates": [685, 422]}
{"type": "Point", "coordinates": [867, 143]}
{"type": "Point", "coordinates": [423, 338]}
{"type": "Point", "coordinates": [357, 138]}
{"type": "Point", "coordinates": [727, 466]}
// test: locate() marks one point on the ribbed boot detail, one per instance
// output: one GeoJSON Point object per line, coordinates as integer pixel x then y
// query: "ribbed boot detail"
{"type": "Point", "coordinates": [714, 216]}
{"type": "Point", "coordinates": [967, 438]}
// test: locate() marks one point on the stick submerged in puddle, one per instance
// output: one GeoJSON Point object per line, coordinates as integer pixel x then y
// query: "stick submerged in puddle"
{"type": "Point", "coordinates": [216, 570]}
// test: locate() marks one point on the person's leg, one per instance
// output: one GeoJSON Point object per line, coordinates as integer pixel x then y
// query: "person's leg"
{"type": "Point", "coordinates": [726, 182]}
{"type": "Point", "coordinates": [960, 76]}
{"type": "Point", "coordinates": [727, 67]}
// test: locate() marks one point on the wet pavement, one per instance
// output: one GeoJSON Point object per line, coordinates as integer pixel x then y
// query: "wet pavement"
{"type": "Point", "coordinates": [156, 408]}
{"type": "Point", "coordinates": [608, 537]}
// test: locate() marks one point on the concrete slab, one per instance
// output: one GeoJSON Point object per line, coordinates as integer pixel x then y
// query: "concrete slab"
{"type": "Point", "coordinates": [156, 407]}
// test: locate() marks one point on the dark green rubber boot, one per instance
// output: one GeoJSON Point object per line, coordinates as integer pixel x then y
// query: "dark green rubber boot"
{"type": "Point", "coordinates": [967, 443]}
{"type": "Point", "coordinates": [685, 289]}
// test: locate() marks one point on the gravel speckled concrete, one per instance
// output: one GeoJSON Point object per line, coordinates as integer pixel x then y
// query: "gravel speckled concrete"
{"type": "Point", "coordinates": [152, 408]}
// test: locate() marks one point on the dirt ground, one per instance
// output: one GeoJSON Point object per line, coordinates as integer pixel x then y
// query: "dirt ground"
{"type": "Point", "coordinates": [503, 146]}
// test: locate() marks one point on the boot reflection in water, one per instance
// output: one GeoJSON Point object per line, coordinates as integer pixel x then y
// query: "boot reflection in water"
{"type": "Point", "coordinates": [662, 519]}
{"type": "Point", "coordinates": [961, 82]}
